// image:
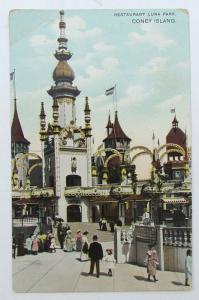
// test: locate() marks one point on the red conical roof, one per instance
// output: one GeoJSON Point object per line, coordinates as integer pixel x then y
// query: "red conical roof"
{"type": "Point", "coordinates": [17, 135]}
{"type": "Point", "coordinates": [176, 135]}
{"type": "Point", "coordinates": [117, 132]}
{"type": "Point", "coordinates": [109, 124]}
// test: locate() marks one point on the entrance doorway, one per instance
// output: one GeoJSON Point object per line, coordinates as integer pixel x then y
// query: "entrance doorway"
{"type": "Point", "coordinates": [74, 213]}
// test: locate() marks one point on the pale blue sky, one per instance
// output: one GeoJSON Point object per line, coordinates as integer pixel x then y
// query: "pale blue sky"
{"type": "Point", "coordinates": [149, 63]}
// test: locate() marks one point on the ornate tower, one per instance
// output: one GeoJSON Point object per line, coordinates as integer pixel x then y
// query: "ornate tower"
{"type": "Point", "coordinates": [175, 167]}
{"type": "Point", "coordinates": [87, 131]}
{"type": "Point", "coordinates": [19, 146]}
{"type": "Point", "coordinates": [63, 91]}
{"type": "Point", "coordinates": [66, 147]}
{"type": "Point", "coordinates": [116, 138]}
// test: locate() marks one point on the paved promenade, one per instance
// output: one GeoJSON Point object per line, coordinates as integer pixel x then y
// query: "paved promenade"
{"type": "Point", "coordinates": [63, 272]}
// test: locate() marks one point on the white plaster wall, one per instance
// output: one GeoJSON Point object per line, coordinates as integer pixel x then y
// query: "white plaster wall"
{"type": "Point", "coordinates": [85, 211]}
{"type": "Point", "coordinates": [174, 258]}
{"type": "Point", "coordinates": [65, 169]}
{"type": "Point", "coordinates": [65, 166]}
{"type": "Point", "coordinates": [66, 112]}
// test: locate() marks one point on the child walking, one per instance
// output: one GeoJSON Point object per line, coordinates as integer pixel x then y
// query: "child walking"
{"type": "Point", "coordinates": [188, 261]}
{"type": "Point", "coordinates": [52, 245]}
{"type": "Point", "coordinates": [110, 261]}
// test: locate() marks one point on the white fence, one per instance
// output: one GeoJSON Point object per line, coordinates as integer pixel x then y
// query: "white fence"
{"type": "Point", "coordinates": [171, 244]}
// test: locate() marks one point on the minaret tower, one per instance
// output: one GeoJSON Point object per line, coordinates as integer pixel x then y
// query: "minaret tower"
{"type": "Point", "coordinates": [42, 139]}
{"type": "Point", "coordinates": [63, 91]}
{"type": "Point", "coordinates": [87, 131]}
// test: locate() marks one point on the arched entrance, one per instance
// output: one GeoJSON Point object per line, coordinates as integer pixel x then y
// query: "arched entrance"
{"type": "Point", "coordinates": [73, 180]}
{"type": "Point", "coordinates": [74, 213]}
{"type": "Point", "coordinates": [95, 216]}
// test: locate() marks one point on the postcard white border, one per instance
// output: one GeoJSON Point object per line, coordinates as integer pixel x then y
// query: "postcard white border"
{"type": "Point", "coordinates": [5, 204]}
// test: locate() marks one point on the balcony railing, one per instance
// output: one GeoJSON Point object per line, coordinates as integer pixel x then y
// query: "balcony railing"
{"type": "Point", "coordinates": [177, 236]}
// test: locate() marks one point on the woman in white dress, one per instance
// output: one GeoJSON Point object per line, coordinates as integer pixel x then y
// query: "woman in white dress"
{"type": "Point", "coordinates": [85, 246]}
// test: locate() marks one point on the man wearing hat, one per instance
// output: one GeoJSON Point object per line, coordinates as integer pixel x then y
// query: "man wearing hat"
{"type": "Point", "coordinates": [95, 253]}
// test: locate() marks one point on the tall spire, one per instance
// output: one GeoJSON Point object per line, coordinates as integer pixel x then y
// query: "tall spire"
{"type": "Point", "coordinates": [175, 122]}
{"type": "Point", "coordinates": [109, 125]}
{"type": "Point", "coordinates": [17, 135]}
{"type": "Point", "coordinates": [63, 74]}
{"type": "Point", "coordinates": [87, 118]}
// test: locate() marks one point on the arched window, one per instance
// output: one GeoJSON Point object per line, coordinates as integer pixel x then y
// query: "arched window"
{"type": "Point", "coordinates": [73, 180]}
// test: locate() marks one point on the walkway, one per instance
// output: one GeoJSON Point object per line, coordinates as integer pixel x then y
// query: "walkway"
{"type": "Point", "coordinates": [63, 272]}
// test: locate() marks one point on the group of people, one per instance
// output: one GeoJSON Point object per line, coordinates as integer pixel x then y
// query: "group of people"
{"type": "Point", "coordinates": [33, 244]}
{"type": "Point", "coordinates": [103, 224]}
{"type": "Point", "coordinates": [40, 243]}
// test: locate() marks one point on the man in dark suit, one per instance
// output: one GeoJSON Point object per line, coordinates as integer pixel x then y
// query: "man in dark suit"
{"type": "Point", "coordinates": [95, 253]}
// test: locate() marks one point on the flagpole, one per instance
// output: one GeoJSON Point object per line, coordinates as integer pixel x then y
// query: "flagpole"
{"type": "Point", "coordinates": [115, 92]}
{"type": "Point", "coordinates": [14, 85]}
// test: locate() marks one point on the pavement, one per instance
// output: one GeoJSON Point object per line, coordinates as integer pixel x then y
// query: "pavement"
{"type": "Point", "coordinates": [64, 272]}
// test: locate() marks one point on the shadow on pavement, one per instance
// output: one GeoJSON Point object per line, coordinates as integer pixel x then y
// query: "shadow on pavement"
{"type": "Point", "coordinates": [177, 283]}
{"type": "Point", "coordinates": [141, 278]}
{"type": "Point", "coordinates": [86, 274]}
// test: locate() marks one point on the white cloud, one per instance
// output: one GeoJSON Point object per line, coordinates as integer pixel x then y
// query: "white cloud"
{"type": "Point", "coordinates": [177, 100]}
{"type": "Point", "coordinates": [151, 35]}
{"type": "Point", "coordinates": [94, 74]}
{"type": "Point", "coordinates": [134, 95]}
{"type": "Point", "coordinates": [154, 66]}
{"type": "Point", "coordinates": [38, 40]}
{"type": "Point", "coordinates": [76, 28]}
{"type": "Point", "coordinates": [103, 47]}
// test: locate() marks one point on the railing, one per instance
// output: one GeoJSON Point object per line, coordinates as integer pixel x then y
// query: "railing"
{"type": "Point", "coordinates": [127, 236]}
{"type": "Point", "coordinates": [146, 233]}
{"type": "Point", "coordinates": [177, 236]}
{"type": "Point", "coordinates": [25, 222]}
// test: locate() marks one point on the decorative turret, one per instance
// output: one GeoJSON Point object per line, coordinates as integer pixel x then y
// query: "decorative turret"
{"type": "Point", "coordinates": [63, 91]}
{"type": "Point", "coordinates": [19, 144]}
{"type": "Point", "coordinates": [42, 123]}
{"type": "Point", "coordinates": [87, 118]}
{"type": "Point", "coordinates": [109, 125]}
{"type": "Point", "coordinates": [176, 136]}
{"type": "Point", "coordinates": [55, 116]}
{"type": "Point", "coordinates": [117, 139]}
{"type": "Point", "coordinates": [175, 168]}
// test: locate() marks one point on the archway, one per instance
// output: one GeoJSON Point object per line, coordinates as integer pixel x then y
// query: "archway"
{"type": "Point", "coordinates": [74, 213]}
{"type": "Point", "coordinates": [73, 180]}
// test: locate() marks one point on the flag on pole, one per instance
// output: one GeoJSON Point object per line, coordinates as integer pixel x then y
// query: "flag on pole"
{"type": "Point", "coordinates": [12, 75]}
{"type": "Point", "coordinates": [172, 111]}
{"type": "Point", "coordinates": [109, 91]}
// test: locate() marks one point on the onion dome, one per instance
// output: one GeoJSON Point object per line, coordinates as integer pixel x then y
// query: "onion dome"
{"type": "Point", "coordinates": [176, 135]}
{"type": "Point", "coordinates": [63, 72]}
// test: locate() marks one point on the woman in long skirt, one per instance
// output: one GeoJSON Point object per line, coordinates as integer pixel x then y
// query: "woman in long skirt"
{"type": "Point", "coordinates": [151, 262]}
{"type": "Point", "coordinates": [85, 246]}
{"type": "Point", "coordinates": [35, 246]}
{"type": "Point", "coordinates": [78, 240]}
{"type": "Point", "coordinates": [68, 240]}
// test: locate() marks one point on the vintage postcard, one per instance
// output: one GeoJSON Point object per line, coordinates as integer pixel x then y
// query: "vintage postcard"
{"type": "Point", "coordinates": [101, 150]}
